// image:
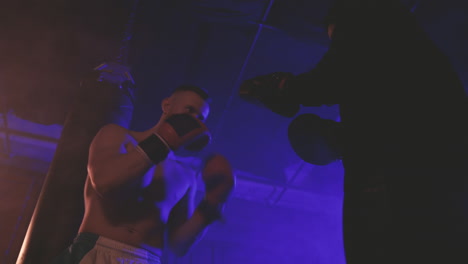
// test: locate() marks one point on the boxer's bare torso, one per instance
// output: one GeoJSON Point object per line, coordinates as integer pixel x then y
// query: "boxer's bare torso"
{"type": "Point", "coordinates": [139, 214]}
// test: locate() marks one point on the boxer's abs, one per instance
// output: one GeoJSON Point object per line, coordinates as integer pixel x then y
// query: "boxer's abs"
{"type": "Point", "coordinates": [135, 224]}
{"type": "Point", "coordinates": [140, 219]}
{"type": "Point", "coordinates": [132, 235]}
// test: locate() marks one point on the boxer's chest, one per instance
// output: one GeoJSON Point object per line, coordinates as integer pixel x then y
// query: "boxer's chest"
{"type": "Point", "coordinates": [170, 183]}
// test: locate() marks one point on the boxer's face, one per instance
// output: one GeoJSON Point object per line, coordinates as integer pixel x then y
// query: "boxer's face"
{"type": "Point", "coordinates": [186, 102]}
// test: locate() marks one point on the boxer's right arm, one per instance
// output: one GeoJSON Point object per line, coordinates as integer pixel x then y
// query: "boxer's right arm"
{"type": "Point", "coordinates": [110, 165]}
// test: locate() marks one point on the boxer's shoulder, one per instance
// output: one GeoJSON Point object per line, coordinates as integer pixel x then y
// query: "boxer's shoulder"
{"type": "Point", "coordinates": [114, 129]}
{"type": "Point", "coordinates": [111, 134]}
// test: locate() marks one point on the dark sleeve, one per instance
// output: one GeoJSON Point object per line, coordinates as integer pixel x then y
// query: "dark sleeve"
{"type": "Point", "coordinates": [325, 83]}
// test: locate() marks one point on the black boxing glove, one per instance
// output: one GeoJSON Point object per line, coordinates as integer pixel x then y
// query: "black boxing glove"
{"type": "Point", "coordinates": [220, 181]}
{"type": "Point", "coordinates": [272, 92]}
{"type": "Point", "coordinates": [183, 130]}
{"type": "Point", "coordinates": [315, 140]}
{"type": "Point", "coordinates": [179, 130]}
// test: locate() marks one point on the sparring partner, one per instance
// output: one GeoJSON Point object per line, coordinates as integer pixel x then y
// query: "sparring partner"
{"type": "Point", "coordinates": [139, 197]}
{"type": "Point", "coordinates": [403, 133]}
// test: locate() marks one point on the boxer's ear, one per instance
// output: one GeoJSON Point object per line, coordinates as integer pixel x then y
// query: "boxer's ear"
{"type": "Point", "coordinates": [331, 30]}
{"type": "Point", "coordinates": [165, 104]}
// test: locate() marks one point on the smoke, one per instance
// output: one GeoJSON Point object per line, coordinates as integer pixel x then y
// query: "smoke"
{"type": "Point", "coordinates": [49, 46]}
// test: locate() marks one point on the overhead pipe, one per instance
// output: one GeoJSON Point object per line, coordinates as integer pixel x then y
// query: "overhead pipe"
{"type": "Point", "coordinates": [238, 81]}
{"type": "Point", "coordinates": [288, 184]}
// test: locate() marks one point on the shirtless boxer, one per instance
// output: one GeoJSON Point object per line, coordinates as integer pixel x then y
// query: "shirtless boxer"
{"type": "Point", "coordinates": [139, 198]}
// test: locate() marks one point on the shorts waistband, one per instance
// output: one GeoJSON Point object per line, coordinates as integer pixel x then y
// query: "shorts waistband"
{"type": "Point", "coordinates": [139, 252]}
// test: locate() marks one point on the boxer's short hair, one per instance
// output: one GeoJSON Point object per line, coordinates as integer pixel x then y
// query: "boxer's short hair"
{"type": "Point", "coordinates": [198, 90]}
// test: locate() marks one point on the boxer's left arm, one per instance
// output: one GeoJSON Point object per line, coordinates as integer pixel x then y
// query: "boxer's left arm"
{"type": "Point", "coordinates": [185, 225]}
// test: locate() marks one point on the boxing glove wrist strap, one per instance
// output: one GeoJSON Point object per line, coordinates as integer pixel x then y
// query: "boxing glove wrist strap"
{"type": "Point", "coordinates": [209, 211]}
{"type": "Point", "coordinates": [154, 148]}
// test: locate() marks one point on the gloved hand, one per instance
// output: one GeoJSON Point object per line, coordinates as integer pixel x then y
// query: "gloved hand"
{"type": "Point", "coordinates": [179, 130]}
{"type": "Point", "coordinates": [219, 179]}
{"type": "Point", "coordinates": [183, 130]}
{"type": "Point", "coordinates": [272, 92]}
{"type": "Point", "coordinates": [315, 140]}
